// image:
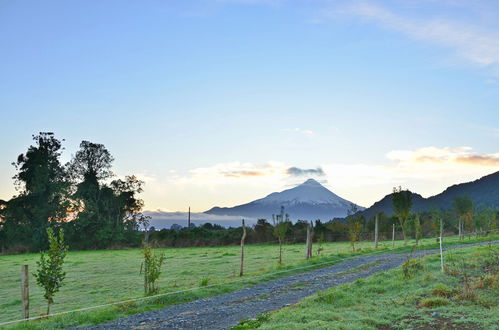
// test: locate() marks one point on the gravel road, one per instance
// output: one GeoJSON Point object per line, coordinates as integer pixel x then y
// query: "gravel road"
{"type": "Point", "coordinates": [227, 310]}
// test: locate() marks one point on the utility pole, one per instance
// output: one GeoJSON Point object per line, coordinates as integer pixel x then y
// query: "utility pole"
{"type": "Point", "coordinates": [189, 219]}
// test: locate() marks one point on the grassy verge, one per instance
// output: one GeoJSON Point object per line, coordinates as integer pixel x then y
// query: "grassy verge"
{"type": "Point", "coordinates": [97, 277]}
{"type": "Point", "coordinates": [415, 296]}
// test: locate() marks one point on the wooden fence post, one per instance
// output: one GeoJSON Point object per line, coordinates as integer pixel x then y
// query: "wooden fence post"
{"type": "Point", "coordinates": [307, 255]}
{"type": "Point", "coordinates": [25, 290]}
{"type": "Point", "coordinates": [441, 253]}
{"type": "Point", "coordinates": [393, 236]}
{"type": "Point", "coordinates": [311, 240]}
{"type": "Point", "coordinates": [376, 232]}
{"type": "Point", "coordinates": [242, 250]}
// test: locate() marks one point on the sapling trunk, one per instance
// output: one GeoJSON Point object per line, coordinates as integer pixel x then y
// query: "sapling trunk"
{"type": "Point", "coordinates": [405, 237]}
{"type": "Point", "coordinates": [280, 251]}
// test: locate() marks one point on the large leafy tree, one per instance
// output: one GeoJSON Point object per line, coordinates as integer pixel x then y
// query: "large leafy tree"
{"type": "Point", "coordinates": [43, 190]}
{"type": "Point", "coordinates": [402, 205]}
{"type": "Point", "coordinates": [107, 212]}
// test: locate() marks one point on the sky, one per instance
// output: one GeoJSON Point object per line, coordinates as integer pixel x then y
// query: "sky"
{"type": "Point", "coordinates": [220, 102]}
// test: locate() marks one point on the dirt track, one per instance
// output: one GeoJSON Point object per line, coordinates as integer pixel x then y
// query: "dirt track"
{"type": "Point", "coordinates": [227, 310]}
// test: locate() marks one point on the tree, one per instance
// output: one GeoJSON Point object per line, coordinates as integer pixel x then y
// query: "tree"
{"type": "Point", "coordinates": [49, 274]}
{"type": "Point", "coordinates": [92, 163]}
{"type": "Point", "coordinates": [485, 220]}
{"type": "Point", "coordinates": [463, 207]}
{"type": "Point", "coordinates": [152, 269]}
{"type": "Point", "coordinates": [281, 224]}
{"type": "Point", "coordinates": [402, 204]}
{"type": "Point", "coordinates": [354, 225]}
{"type": "Point", "coordinates": [418, 232]}
{"type": "Point", "coordinates": [43, 194]}
{"type": "Point", "coordinates": [108, 213]}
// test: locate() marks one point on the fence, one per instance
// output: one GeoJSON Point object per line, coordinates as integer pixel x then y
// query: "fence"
{"type": "Point", "coordinates": [235, 263]}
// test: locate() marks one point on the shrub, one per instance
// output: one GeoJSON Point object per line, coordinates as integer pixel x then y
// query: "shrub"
{"type": "Point", "coordinates": [442, 290]}
{"type": "Point", "coordinates": [434, 302]}
{"type": "Point", "coordinates": [152, 269]}
{"type": "Point", "coordinates": [377, 289]}
{"type": "Point", "coordinates": [411, 266]}
{"type": "Point", "coordinates": [330, 297]}
{"type": "Point", "coordinates": [204, 281]}
{"type": "Point", "coordinates": [127, 307]}
{"type": "Point", "coordinates": [487, 281]}
{"type": "Point", "coordinates": [49, 274]}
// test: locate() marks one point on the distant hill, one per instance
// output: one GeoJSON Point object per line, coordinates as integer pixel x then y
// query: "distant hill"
{"type": "Point", "coordinates": [307, 201]}
{"type": "Point", "coordinates": [484, 192]}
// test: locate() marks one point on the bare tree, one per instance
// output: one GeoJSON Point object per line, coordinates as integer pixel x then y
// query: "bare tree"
{"type": "Point", "coordinates": [281, 224]}
{"type": "Point", "coordinates": [463, 206]}
{"type": "Point", "coordinates": [402, 205]}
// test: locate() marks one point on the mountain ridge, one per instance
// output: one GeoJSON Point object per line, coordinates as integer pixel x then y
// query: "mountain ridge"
{"type": "Point", "coordinates": [307, 201]}
{"type": "Point", "coordinates": [483, 191]}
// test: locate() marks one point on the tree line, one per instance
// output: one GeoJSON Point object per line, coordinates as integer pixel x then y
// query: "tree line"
{"type": "Point", "coordinates": [84, 197]}
{"type": "Point", "coordinates": [97, 210]}
{"type": "Point", "coordinates": [356, 227]}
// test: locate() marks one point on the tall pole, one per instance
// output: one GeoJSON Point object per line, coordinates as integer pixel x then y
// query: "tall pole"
{"type": "Point", "coordinates": [441, 253]}
{"type": "Point", "coordinates": [310, 240]}
{"type": "Point", "coordinates": [306, 243]}
{"type": "Point", "coordinates": [393, 236]}
{"type": "Point", "coordinates": [189, 219]}
{"type": "Point", "coordinates": [242, 250]}
{"type": "Point", "coordinates": [376, 232]}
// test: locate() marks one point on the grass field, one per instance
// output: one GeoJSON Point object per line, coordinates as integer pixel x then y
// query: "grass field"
{"type": "Point", "coordinates": [98, 277]}
{"type": "Point", "coordinates": [427, 299]}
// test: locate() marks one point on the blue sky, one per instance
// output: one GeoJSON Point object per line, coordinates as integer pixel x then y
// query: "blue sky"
{"type": "Point", "coordinates": [210, 102]}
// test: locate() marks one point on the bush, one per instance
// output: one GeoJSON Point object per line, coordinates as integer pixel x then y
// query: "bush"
{"type": "Point", "coordinates": [330, 297]}
{"type": "Point", "coordinates": [204, 281]}
{"type": "Point", "coordinates": [488, 281]}
{"type": "Point", "coordinates": [152, 270]}
{"type": "Point", "coordinates": [411, 266]}
{"type": "Point", "coordinates": [442, 290]}
{"type": "Point", "coordinates": [434, 302]}
{"type": "Point", "coordinates": [49, 274]}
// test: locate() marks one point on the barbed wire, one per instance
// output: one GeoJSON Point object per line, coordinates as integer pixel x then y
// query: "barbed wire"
{"type": "Point", "coordinates": [248, 279]}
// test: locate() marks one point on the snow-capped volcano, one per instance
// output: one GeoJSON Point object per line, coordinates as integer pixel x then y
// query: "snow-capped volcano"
{"type": "Point", "coordinates": [307, 201]}
{"type": "Point", "coordinates": [310, 191]}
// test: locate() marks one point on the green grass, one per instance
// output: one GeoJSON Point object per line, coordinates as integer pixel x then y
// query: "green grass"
{"type": "Point", "coordinates": [391, 301]}
{"type": "Point", "coordinates": [99, 277]}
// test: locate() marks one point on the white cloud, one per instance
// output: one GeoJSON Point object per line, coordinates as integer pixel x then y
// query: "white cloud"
{"type": "Point", "coordinates": [427, 171]}
{"type": "Point", "coordinates": [306, 132]}
{"type": "Point", "coordinates": [476, 44]}
{"type": "Point", "coordinates": [443, 157]}
{"type": "Point", "coordinates": [237, 171]}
